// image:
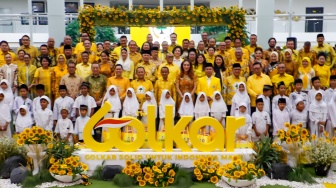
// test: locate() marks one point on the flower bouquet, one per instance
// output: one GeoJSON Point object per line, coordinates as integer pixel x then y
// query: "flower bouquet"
{"type": "Point", "coordinates": [241, 173]}
{"type": "Point", "coordinates": [67, 169]}
{"type": "Point", "coordinates": [208, 169]}
{"type": "Point", "coordinates": [322, 153]}
{"type": "Point", "coordinates": [147, 172]}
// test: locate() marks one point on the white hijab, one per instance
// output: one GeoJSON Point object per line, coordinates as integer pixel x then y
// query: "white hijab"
{"type": "Point", "coordinates": [202, 107]}
{"type": "Point", "coordinates": [26, 120]}
{"type": "Point", "coordinates": [218, 105]}
{"type": "Point", "coordinates": [126, 64]}
{"type": "Point", "coordinates": [186, 109]}
{"type": "Point", "coordinates": [131, 105]}
{"type": "Point", "coordinates": [151, 102]}
{"type": "Point", "coordinates": [245, 114]}
{"type": "Point", "coordinates": [241, 96]}
{"type": "Point", "coordinates": [164, 102]}
{"type": "Point", "coordinates": [9, 96]}
{"type": "Point", "coordinates": [5, 111]}
{"type": "Point", "coordinates": [114, 100]}
{"type": "Point", "coordinates": [318, 106]}
{"type": "Point", "coordinates": [332, 109]}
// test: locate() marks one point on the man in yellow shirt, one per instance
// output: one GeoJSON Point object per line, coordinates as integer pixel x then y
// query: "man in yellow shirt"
{"type": "Point", "coordinates": [133, 54]}
{"type": "Point", "coordinates": [92, 54]}
{"type": "Point", "coordinates": [4, 50]}
{"type": "Point", "coordinates": [307, 52]}
{"type": "Point", "coordinates": [83, 69]}
{"type": "Point", "coordinates": [44, 53]}
{"type": "Point", "coordinates": [155, 57]}
{"type": "Point", "coordinates": [208, 83]}
{"type": "Point", "coordinates": [255, 84]}
{"type": "Point", "coordinates": [253, 44]}
{"type": "Point", "coordinates": [67, 41]}
{"type": "Point", "coordinates": [53, 51]}
{"type": "Point", "coordinates": [173, 39]}
{"type": "Point", "coordinates": [115, 55]}
{"type": "Point", "coordinates": [141, 85]}
{"type": "Point", "coordinates": [164, 51]}
{"type": "Point", "coordinates": [243, 63]}
{"type": "Point", "coordinates": [230, 84]}
{"type": "Point", "coordinates": [282, 76]}
{"type": "Point", "coordinates": [150, 68]}
{"type": "Point", "coordinates": [174, 70]}
{"type": "Point", "coordinates": [327, 49]}
{"type": "Point", "coordinates": [80, 46]}
{"type": "Point", "coordinates": [238, 44]}
{"type": "Point", "coordinates": [31, 50]}
{"type": "Point", "coordinates": [164, 83]}
{"type": "Point", "coordinates": [122, 83]}
{"type": "Point", "coordinates": [225, 55]}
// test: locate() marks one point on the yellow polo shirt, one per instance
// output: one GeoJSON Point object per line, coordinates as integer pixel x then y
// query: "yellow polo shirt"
{"type": "Point", "coordinates": [255, 85]}
{"type": "Point", "coordinates": [174, 70]}
{"type": "Point", "coordinates": [287, 79]}
{"type": "Point", "coordinates": [80, 48]}
{"type": "Point", "coordinates": [83, 70]}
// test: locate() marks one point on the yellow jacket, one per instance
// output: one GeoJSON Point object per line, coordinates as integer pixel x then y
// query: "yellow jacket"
{"type": "Point", "coordinates": [202, 85]}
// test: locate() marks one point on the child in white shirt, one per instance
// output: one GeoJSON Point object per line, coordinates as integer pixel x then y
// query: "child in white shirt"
{"type": "Point", "coordinates": [165, 99]}
{"type": "Point", "coordinates": [316, 87]}
{"type": "Point", "coordinates": [298, 93]}
{"type": "Point", "coordinates": [331, 123]}
{"type": "Point", "coordinates": [62, 102]}
{"type": "Point", "coordinates": [150, 100]}
{"type": "Point", "coordinates": [280, 117]}
{"type": "Point", "coordinates": [328, 93]}
{"type": "Point", "coordinates": [267, 92]}
{"type": "Point", "coordinates": [7, 91]}
{"type": "Point", "coordinates": [112, 97]}
{"type": "Point", "coordinates": [261, 121]}
{"type": "Point", "coordinates": [23, 119]}
{"type": "Point", "coordinates": [282, 91]}
{"type": "Point", "coordinates": [317, 115]}
{"type": "Point", "coordinates": [5, 117]}
{"type": "Point", "coordinates": [218, 108]}
{"type": "Point", "coordinates": [23, 99]}
{"type": "Point", "coordinates": [186, 107]}
{"type": "Point", "coordinates": [299, 114]}
{"type": "Point", "coordinates": [80, 124]}
{"type": "Point", "coordinates": [244, 133]}
{"type": "Point", "coordinates": [44, 116]}
{"type": "Point", "coordinates": [85, 99]}
{"type": "Point", "coordinates": [202, 109]}
{"type": "Point", "coordinates": [130, 107]}
{"type": "Point", "coordinates": [240, 96]}
{"type": "Point", "coordinates": [36, 100]}
{"type": "Point", "coordinates": [64, 126]}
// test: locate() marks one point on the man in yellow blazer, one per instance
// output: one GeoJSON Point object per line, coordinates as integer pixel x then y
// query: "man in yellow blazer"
{"type": "Point", "coordinates": [208, 83]}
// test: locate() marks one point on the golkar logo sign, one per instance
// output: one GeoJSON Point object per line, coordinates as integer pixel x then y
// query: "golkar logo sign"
{"type": "Point", "coordinates": [172, 132]}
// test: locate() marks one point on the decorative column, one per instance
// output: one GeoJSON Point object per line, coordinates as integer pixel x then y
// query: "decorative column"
{"type": "Point", "coordinates": [56, 20]}
{"type": "Point", "coordinates": [265, 15]}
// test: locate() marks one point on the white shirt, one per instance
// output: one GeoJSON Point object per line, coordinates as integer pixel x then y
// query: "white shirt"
{"type": "Point", "coordinates": [279, 119]}
{"type": "Point", "coordinates": [299, 117]}
{"type": "Point", "coordinates": [85, 100]}
{"type": "Point", "coordinates": [260, 119]}
{"type": "Point", "coordinates": [44, 119]}
{"type": "Point", "coordinates": [208, 80]}
{"type": "Point", "coordinates": [267, 103]}
{"type": "Point", "coordinates": [328, 93]}
{"type": "Point", "coordinates": [64, 127]}
{"type": "Point", "coordinates": [18, 101]}
{"type": "Point", "coordinates": [79, 126]}
{"type": "Point", "coordinates": [178, 62]}
{"type": "Point", "coordinates": [275, 101]}
{"type": "Point", "coordinates": [37, 105]}
{"type": "Point", "coordinates": [294, 95]}
{"type": "Point", "coordinates": [312, 93]}
{"type": "Point", "coordinates": [60, 103]}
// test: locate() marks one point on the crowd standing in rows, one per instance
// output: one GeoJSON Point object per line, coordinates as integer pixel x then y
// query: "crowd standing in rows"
{"type": "Point", "coordinates": [59, 89]}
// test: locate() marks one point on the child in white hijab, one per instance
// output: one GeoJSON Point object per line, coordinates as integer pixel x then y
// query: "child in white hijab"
{"type": "Point", "coordinates": [130, 106]}
{"type": "Point", "coordinates": [187, 106]}
{"type": "Point", "coordinates": [150, 100]}
{"type": "Point", "coordinates": [244, 133]}
{"type": "Point", "coordinates": [331, 123]}
{"type": "Point", "coordinates": [165, 99]}
{"type": "Point", "coordinates": [202, 108]}
{"type": "Point", "coordinates": [6, 88]}
{"type": "Point", "coordinates": [23, 119]}
{"type": "Point", "coordinates": [317, 114]}
{"type": "Point", "coordinates": [5, 117]}
{"type": "Point", "coordinates": [112, 96]}
{"type": "Point", "coordinates": [240, 96]}
{"type": "Point", "coordinates": [218, 108]}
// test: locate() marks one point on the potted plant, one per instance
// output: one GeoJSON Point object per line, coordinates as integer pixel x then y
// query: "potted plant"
{"type": "Point", "coordinates": [67, 169]}
{"type": "Point", "coordinates": [240, 173]}
{"type": "Point", "coordinates": [322, 153]}
{"type": "Point", "coordinates": [34, 140]}
{"type": "Point", "coordinates": [266, 153]}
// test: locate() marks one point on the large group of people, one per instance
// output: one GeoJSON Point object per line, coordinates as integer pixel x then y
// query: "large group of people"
{"type": "Point", "coordinates": [59, 89]}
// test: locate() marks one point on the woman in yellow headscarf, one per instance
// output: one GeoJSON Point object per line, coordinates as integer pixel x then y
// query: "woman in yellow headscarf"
{"type": "Point", "coordinates": [60, 70]}
{"type": "Point", "coordinates": [306, 72]}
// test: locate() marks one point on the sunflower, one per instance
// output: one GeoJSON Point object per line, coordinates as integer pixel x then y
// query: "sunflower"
{"type": "Point", "coordinates": [171, 180]}
{"type": "Point", "coordinates": [158, 163]}
{"type": "Point", "coordinates": [209, 163]}
{"type": "Point", "coordinates": [238, 162]}
{"type": "Point", "coordinates": [20, 142]}
{"type": "Point", "coordinates": [151, 181]}
{"type": "Point", "coordinates": [164, 169]}
{"type": "Point", "coordinates": [313, 137]}
{"type": "Point", "coordinates": [261, 172]}
{"type": "Point", "coordinates": [209, 158]}
{"type": "Point", "coordinates": [214, 179]}
{"type": "Point", "coordinates": [203, 167]}
{"type": "Point", "coordinates": [196, 163]}
{"type": "Point", "coordinates": [304, 132]}
{"type": "Point", "coordinates": [70, 173]}
{"type": "Point", "coordinates": [197, 171]}
{"type": "Point", "coordinates": [142, 183]}
{"type": "Point", "coordinates": [243, 163]}
{"type": "Point", "coordinates": [202, 160]}
{"type": "Point", "coordinates": [40, 130]}
{"type": "Point", "coordinates": [199, 177]}
{"type": "Point", "coordinates": [147, 177]}
{"type": "Point", "coordinates": [31, 135]}
{"type": "Point", "coordinates": [288, 140]}
{"type": "Point", "coordinates": [236, 174]}
{"type": "Point", "coordinates": [326, 134]}
{"type": "Point", "coordinates": [300, 125]}
{"type": "Point", "coordinates": [74, 163]}
{"type": "Point", "coordinates": [61, 172]}
{"type": "Point", "coordinates": [26, 130]}
{"type": "Point", "coordinates": [128, 163]}
{"type": "Point", "coordinates": [155, 168]}
{"type": "Point", "coordinates": [139, 178]}
{"type": "Point", "coordinates": [67, 160]}
{"type": "Point", "coordinates": [156, 183]}
{"type": "Point", "coordinates": [85, 167]}
{"type": "Point", "coordinates": [171, 173]}
{"type": "Point", "coordinates": [287, 124]}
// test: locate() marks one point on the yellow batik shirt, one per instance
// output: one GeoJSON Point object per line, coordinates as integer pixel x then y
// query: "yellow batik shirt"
{"type": "Point", "coordinates": [287, 79]}
{"type": "Point", "coordinates": [230, 87]}
{"type": "Point", "coordinates": [141, 87]}
{"type": "Point", "coordinates": [26, 74]}
{"type": "Point", "coordinates": [160, 85]}
{"type": "Point", "coordinates": [150, 69]}
{"type": "Point", "coordinates": [331, 55]}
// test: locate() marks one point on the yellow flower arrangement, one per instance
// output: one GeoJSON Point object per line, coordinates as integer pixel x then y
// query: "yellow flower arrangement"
{"type": "Point", "coordinates": [233, 16]}
{"type": "Point", "coordinates": [67, 166]}
{"type": "Point", "coordinates": [149, 172]}
{"type": "Point", "coordinates": [294, 134]}
{"type": "Point", "coordinates": [34, 135]}
{"type": "Point", "coordinates": [242, 170]}
{"type": "Point", "coordinates": [206, 169]}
